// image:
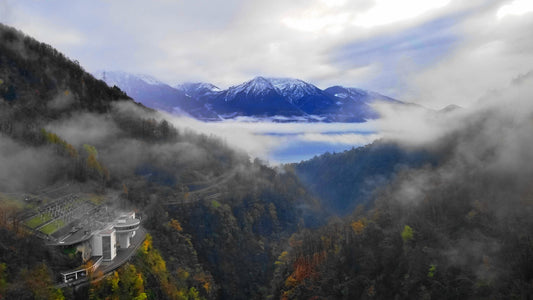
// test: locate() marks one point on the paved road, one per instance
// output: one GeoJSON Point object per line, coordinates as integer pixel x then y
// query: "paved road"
{"type": "Point", "coordinates": [123, 255]}
{"type": "Point", "coordinates": [208, 192]}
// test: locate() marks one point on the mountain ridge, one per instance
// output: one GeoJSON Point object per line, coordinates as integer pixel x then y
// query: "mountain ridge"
{"type": "Point", "coordinates": [261, 97]}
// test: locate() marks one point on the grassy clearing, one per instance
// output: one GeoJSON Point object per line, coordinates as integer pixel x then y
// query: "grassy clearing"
{"type": "Point", "coordinates": [96, 199]}
{"type": "Point", "coordinates": [38, 220]}
{"type": "Point", "coordinates": [52, 227]}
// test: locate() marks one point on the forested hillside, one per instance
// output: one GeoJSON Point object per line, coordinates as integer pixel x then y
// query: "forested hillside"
{"type": "Point", "coordinates": [344, 180]}
{"type": "Point", "coordinates": [460, 229]}
{"type": "Point", "coordinates": [216, 219]}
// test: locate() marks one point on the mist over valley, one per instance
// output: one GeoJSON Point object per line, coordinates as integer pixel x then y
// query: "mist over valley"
{"type": "Point", "coordinates": [266, 150]}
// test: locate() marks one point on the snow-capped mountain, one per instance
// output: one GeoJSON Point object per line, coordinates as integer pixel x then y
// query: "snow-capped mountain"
{"type": "Point", "coordinates": [155, 94]}
{"type": "Point", "coordinates": [127, 81]}
{"type": "Point", "coordinates": [294, 89]}
{"type": "Point", "coordinates": [305, 96]}
{"type": "Point", "coordinates": [198, 90]}
{"type": "Point", "coordinates": [347, 95]}
{"type": "Point", "coordinates": [279, 99]}
{"type": "Point", "coordinates": [353, 104]}
{"type": "Point", "coordinates": [257, 87]}
{"type": "Point", "coordinates": [145, 89]}
{"type": "Point", "coordinates": [257, 97]}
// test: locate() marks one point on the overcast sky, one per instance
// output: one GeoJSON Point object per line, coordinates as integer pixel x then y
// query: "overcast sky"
{"type": "Point", "coordinates": [433, 52]}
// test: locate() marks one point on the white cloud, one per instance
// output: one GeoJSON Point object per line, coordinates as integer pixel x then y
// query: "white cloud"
{"type": "Point", "coordinates": [262, 139]}
{"type": "Point", "coordinates": [490, 55]}
{"type": "Point", "coordinates": [517, 7]}
{"type": "Point", "coordinates": [326, 17]}
{"type": "Point", "coordinates": [319, 20]}
{"type": "Point", "coordinates": [391, 11]}
{"type": "Point", "coordinates": [343, 138]}
{"type": "Point", "coordinates": [40, 26]}
{"type": "Point", "coordinates": [62, 38]}
{"type": "Point", "coordinates": [414, 125]}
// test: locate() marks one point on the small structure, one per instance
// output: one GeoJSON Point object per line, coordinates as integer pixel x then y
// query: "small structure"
{"type": "Point", "coordinates": [80, 273]}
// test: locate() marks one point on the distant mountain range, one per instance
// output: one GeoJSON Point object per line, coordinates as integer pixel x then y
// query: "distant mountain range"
{"type": "Point", "coordinates": [278, 99]}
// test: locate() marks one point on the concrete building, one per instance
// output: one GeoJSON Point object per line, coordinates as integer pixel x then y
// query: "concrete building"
{"type": "Point", "coordinates": [104, 243]}
{"type": "Point", "coordinates": [100, 244]}
{"type": "Point", "coordinates": [126, 226]}
{"type": "Point", "coordinates": [114, 236]}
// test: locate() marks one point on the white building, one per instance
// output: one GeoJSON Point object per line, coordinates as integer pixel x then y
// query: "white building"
{"type": "Point", "coordinates": [115, 236]}
{"type": "Point", "coordinates": [125, 227]}
{"type": "Point", "coordinates": [104, 243]}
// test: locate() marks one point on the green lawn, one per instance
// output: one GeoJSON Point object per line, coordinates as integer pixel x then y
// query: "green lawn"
{"type": "Point", "coordinates": [52, 227]}
{"type": "Point", "coordinates": [36, 220]}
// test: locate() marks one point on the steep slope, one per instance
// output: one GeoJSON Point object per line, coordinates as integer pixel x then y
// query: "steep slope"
{"type": "Point", "coordinates": [305, 96]}
{"type": "Point", "coordinates": [40, 82]}
{"type": "Point", "coordinates": [198, 90]}
{"type": "Point", "coordinates": [144, 89]}
{"type": "Point", "coordinates": [203, 94]}
{"type": "Point", "coordinates": [235, 213]}
{"type": "Point", "coordinates": [344, 180]}
{"type": "Point", "coordinates": [354, 105]}
{"type": "Point", "coordinates": [460, 229]}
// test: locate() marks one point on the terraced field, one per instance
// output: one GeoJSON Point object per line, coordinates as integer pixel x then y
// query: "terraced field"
{"type": "Point", "coordinates": [38, 220]}
{"type": "Point", "coordinates": [52, 226]}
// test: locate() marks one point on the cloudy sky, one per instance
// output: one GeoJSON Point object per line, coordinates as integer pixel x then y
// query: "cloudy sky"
{"type": "Point", "coordinates": [433, 52]}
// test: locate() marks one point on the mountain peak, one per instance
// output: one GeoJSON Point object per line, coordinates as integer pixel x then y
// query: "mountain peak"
{"type": "Point", "coordinates": [119, 78]}
{"type": "Point", "coordinates": [294, 89]}
{"type": "Point", "coordinates": [259, 82]}
{"type": "Point", "coordinates": [197, 87]}
{"type": "Point", "coordinates": [281, 81]}
{"type": "Point", "coordinates": [258, 86]}
{"type": "Point", "coordinates": [149, 79]}
{"type": "Point", "coordinates": [259, 78]}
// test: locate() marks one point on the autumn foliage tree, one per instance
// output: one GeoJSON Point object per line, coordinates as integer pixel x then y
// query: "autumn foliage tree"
{"type": "Point", "coordinates": [175, 224]}
{"type": "Point", "coordinates": [38, 281]}
{"type": "Point", "coordinates": [53, 138]}
{"type": "Point", "coordinates": [94, 164]}
{"type": "Point", "coordinates": [125, 284]}
{"type": "Point", "coordinates": [358, 226]}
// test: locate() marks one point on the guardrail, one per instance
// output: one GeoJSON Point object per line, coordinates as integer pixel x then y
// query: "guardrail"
{"type": "Point", "coordinates": [74, 275]}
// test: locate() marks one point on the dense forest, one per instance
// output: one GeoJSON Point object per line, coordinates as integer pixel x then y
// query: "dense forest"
{"type": "Point", "coordinates": [457, 229]}
{"type": "Point", "coordinates": [344, 180]}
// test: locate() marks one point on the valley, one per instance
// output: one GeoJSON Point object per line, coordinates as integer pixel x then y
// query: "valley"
{"type": "Point", "coordinates": [117, 185]}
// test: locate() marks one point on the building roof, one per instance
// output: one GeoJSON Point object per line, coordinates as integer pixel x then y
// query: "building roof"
{"type": "Point", "coordinates": [127, 222]}
{"type": "Point", "coordinates": [79, 234]}
{"type": "Point", "coordinates": [76, 237]}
